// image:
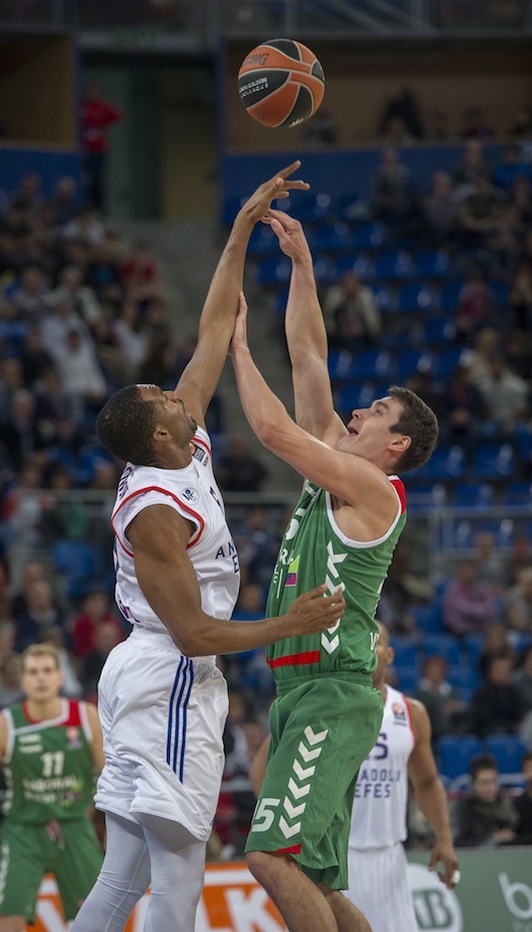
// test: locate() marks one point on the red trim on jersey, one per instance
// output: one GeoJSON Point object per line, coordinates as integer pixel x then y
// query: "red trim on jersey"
{"type": "Point", "coordinates": [296, 660]}
{"type": "Point", "coordinates": [409, 713]}
{"type": "Point", "coordinates": [72, 716]}
{"type": "Point", "coordinates": [294, 849]}
{"type": "Point", "coordinates": [401, 491]}
{"type": "Point", "coordinates": [202, 443]}
{"type": "Point", "coordinates": [156, 488]}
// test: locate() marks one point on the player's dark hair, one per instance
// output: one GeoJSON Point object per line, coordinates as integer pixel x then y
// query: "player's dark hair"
{"type": "Point", "coordinates": [125, 426]}
{"type": "Point", "coordinates": [418, 422]}
{"type": "Point", "coordinates": [482, 762]}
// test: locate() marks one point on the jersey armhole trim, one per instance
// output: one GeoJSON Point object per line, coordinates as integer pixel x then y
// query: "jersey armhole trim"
{"type": "Point", "coordinates": [410, 722]}
{"type": "Point", "coordinates": [155, 488]}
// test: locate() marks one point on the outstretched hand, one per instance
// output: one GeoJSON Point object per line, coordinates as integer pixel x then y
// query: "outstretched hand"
{"type": "Point", "coordinates": [289, 232]}
{"type": "Point", "coordinates": [313, 611]}
{"type": "Point", "coordinates": [277, 187]}
{"type": "Point", "coordinates": [240, 333]}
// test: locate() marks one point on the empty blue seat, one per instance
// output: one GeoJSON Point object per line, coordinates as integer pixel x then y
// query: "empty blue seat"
{"type": "Point", "coordinates": [446, 463]}
{"type": "Point", "coordinates": [413, 360]}
{"type": "Point", "coordinates": [407, 678]}
{"type": "Point", "coordinates": [429, 618]}
{"type": "Point", "coordinates": [311, 207]}
{"type": "Point", "coordinates": [450, 295]}
{"type": "Point", "coordinates": [500, 291]}
{"type": "Point", "coordinates": [394, 265]}
{"type": "Point", "coordinates": [367, 234]}
{"type": "Point", "coordinates": [436, 330]}
{"type": "Point", "coordinates": [384, 298]}
{"type": "Point", "coordinates": [406, 653]}
{"type": "Point", "coordinates": [333, 237]}
{"type": "Point", "coordinates": [446, 362]}
{"type": "Point", "coordinates": [517, 493]}
{"type": "Point", "coordinates": [473, 495]}
{"type": "Point", "coordinates": [274, 270]}
{"type": "Point", "coordinates": [354, 396]}
{"type": "Point", "coordinates": [507, 750]}
{"type": "Point", "coordinates": [414, 296]}
{"type": "Point", "coordinates": [361, 264]}
{"type": "Point", "coordinates": [493, 460]}
{"type": "Point", "coordinates": [445, 645]}
{"type": "Point", "coordinates": [263, 241]}
{"type": "Point", "coordinates": [433, 263]}
{"type": "Point", "coordinates": [455, 753]}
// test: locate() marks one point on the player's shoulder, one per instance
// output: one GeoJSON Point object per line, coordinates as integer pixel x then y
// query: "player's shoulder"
{"type": "Point", "coordinates": [418, 715]}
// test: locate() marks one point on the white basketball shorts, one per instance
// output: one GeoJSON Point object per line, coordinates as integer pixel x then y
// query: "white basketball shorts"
{"type": "Point", "coordinates": [162, 718]}
{"type": "Point", "coordinates": [378, 885]}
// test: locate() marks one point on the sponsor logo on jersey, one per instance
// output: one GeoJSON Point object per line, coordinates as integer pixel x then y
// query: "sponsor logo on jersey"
{"type": "Point", "coordinates": [73, 738]}
{"type": "Point", "coordinates": [198, 453]}
{"type": "Point", "coordinates": [291, 575]}
{"type": "Point", "coordinates": [399, 714]}
{"type": "Point", "coordinates": [191, 496]}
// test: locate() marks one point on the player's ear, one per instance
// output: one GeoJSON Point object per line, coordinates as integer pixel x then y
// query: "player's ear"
{"type": "Point", "coordinates": [400, 443]}
{"type": "Point", "coordinates": [390, 656]}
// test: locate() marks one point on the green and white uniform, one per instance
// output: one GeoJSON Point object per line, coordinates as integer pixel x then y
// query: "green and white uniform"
{"type": "Point", "coordinates": [327, 714]}
{"type": "Point", "coordinates": [49, 773]}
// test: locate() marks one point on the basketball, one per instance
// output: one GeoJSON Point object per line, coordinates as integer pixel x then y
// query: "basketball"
{"type": "Point", "coordinates": [281, 83]}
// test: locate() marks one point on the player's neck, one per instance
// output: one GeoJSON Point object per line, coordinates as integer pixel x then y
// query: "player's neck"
{"type": "Point", "coordinates": [42, 711]}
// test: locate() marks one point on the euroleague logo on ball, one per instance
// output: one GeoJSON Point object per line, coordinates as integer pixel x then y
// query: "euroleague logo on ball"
{"type": "Point", "coordinates": [281, 83]}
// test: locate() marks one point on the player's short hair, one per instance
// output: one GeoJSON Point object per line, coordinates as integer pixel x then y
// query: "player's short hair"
{"type": "Point", "coordinates": [418, 422]}
{"type": "Point", "coordinates": [40, 650]}
{"type": "Point", "coordinates": [125, 426]}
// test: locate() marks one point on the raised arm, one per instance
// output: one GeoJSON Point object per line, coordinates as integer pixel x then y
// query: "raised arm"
{"type": "Point", "coordinates": [353, 479]}
{"type": "Point", "coordinates": [169, 583]}
{"type": "Point", "coordinates": [306, 335]}
{"type": "Point", "coordinates": [430, 795]}
{"type": "Point", "coordinates": [200, 378]}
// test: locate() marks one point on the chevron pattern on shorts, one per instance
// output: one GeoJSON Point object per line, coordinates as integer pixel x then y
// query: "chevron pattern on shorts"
{"type": "Point", "coordinates": [295, 803]}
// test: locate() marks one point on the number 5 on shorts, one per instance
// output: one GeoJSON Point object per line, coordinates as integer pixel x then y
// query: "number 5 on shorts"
{"type": "Point", "coordinates": [264, 816]}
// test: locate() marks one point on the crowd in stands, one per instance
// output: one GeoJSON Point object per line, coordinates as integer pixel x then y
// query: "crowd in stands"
{"type": "Point", "coordinates": [83, 313]}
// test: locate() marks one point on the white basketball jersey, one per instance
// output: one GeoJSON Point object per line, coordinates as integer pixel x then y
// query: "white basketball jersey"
{"type": "Point", "coordinates": [381, 792]}
{"type": "Point", "coordinates": [192, 491]}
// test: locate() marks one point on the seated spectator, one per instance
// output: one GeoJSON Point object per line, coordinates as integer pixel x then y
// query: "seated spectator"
{"type": "Point", "coordinates": [518, 603]}
{"type": "Point", "coordinates": [106, 636]}
{"type": "Point", "coordinates": [483, 817]}
{"type": "Point", "coordinates": [30, 295]}
{"type": "Point", "coordinates": [140, 273]}
{"type": "Point", "coordinates": [444, 706]}
{"type": "Point", "coordinates": [65, 200]}
{"type": "Point", "coordinates": [475, 125]}
{"type": "Point", "coordinates": [404, 588]}
{"type": "Point", "coordinates": [520, 557]}
{"type": "Point", "coordinates": [464, 172]}
{"type": "Point", "coordinates": [520, 298]}
{"type": "Point", "coordinates": [131, 336]}
{"type": "Point", "coordinates": [80, 372]}
{"type": "Point", "coordinates": [40, 614]}
{"type": "Point", "coordinates": [480, 211]}
{"type": "Point", "coordinates": [392, 200]}
{"type": "Point", "coordinates": [522, 676]}
{"type": "Point", "coordinates": [440, 211]}
{"type": "Point", "coordinates": [34, 358]}
{"type": "Point", "coordinates": [86, 227]}
{"type": "Point", "coordinates": [509, 168]}
{"type": "Point", "coordinates": [10, 679]}
{"type": "Point", "coordinates": [523, 804]}
{"type": "Point", "coordinates": [465, 408]}
{"type": "Point", "coordinates": [505, 395]}
{"type": "Point", "coordinates": [95, 611]}
{"type": "Point", "coordinates": [496, 643]}
{"type": "Point", "coordinates": [486, 346]}
{"type": "Point", "coordinates": [469, 603]}
{"type": "Point", "coordinates": [475, 307]}
{"type": "Point", "coordinates": [497, 706]}
{"type": "Point", "coordinates": [22, 435]}
{"type": "Point", "coordinates": [491, 560]}
{"type": "Point", "coordinates": [257, 546]}
{"type": "Point", "coordinates": [239, 470]}
{"type": "Point", "coordinates": [352, 317]}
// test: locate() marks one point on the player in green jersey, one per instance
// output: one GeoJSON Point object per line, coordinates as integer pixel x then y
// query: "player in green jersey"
{"type": "Point", "coordinates": [51, 749]}
{"type": "Point", "coordinates": [327, 714]}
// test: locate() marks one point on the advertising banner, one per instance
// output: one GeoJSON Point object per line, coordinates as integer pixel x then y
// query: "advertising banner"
{"type": "Point", "coordinates": [495, 895]}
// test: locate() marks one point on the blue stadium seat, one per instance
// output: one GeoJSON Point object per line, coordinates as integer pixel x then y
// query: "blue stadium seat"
{"type": "Point", "coordinates": [446, 463]}
{"type": "Point", "coordinates": [330, 237]}
{"type": "Point", "coordinates": [414, 296]}
{"type": "Point", "coordinates": [413, 360]}
{"type": "Point", "coordinates": [455, 752]}
{"type": "Point", "coordinates": [517, 493]}
{"type": "Point", "coordinates": [384, 298]}
{"type": "Point", "coordinates": [431, 264]}
{"type": "Point", "coordinates": [449, 295]}
{"type": "Point", "coordinates": [263, 241]}
{"type": "Point", "coordinates": [493, 460]}
{"type": "Point", "coordinates": [446, 362]}
{"type": "Point", "coordinates": [407, 678]}
{"type": "Point", "coordinates": [446, 646]}
{"type": "Point", "coordinates": [500, 291]}
{"type": "Point", "coordinates": [429, 618]}
{"type": "Point", "coordinates": [367, 234]}
{"type": "Point", "coordinates": [473, 495]}
{"type": "Point", "coordinates": [406, 653]}
{"type": "Point", "coordinates": [507, 751]}
{"type": "Point", "coordinates": [361, 264]}
{"type": "Point", "coordinates": [367, 365]}
{"type": "Point", "coordinates": [394, 265]}
{"type": "Point", "coordinates": [356, 396]}
{"type": "Point", "coordinates": [436, 330]}
{"type": "Point", "coordinates": [311, 207]}
{"type": "Point", "coordinates": [273, 270]}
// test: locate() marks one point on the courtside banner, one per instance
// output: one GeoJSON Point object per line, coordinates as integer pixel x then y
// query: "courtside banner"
{"type": "Point", "coordinates": [495, 894]}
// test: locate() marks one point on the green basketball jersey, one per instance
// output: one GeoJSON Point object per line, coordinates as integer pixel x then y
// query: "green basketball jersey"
{"type": "Point", "coordinates": [314, 550]}
{"type": "Point", "coordinates": [48, 766]}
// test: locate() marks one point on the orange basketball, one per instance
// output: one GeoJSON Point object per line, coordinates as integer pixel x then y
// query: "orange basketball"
{"type": "Point", "coordinates": [281, 83]}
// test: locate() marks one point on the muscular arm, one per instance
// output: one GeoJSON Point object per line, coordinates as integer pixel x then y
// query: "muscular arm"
{"type": "Point", "coordinates": [200, 378]}
{"type": "Point", "coordinates": [430, 794]}
{"type": "Point", "coordinates": [352, 479]}
{"type": "Point", "coordinates": [97, 737]}
{"type": "Point", "coordinates": [159, 536]}
{"type": "Point", "coordinates": [306, 335]}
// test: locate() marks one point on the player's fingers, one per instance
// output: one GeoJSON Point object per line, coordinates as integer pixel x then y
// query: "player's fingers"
{"type": "Point", "coordinates": [289, 169]}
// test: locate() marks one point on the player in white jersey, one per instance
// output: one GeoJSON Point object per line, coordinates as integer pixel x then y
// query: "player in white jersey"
{"type": "Point", "coordinates": [162, 699]}
{"type": "Point", "coordinates": [377, 863]}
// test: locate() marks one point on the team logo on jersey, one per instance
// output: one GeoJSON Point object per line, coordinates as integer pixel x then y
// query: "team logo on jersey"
{"type": "Point", "coordinates": [291, 576]}
{"type": "Point", "coordinates": [72, 736]}
{"type": "Point", "coordinates": [190, 496]}
{"type": "Point", "coordinates": [399, 714]}
{"type": "Point", "coordinates": [198, 453]}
